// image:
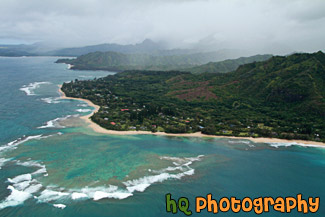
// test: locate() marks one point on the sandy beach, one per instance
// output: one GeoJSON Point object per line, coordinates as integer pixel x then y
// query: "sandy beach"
{"type": "Point", "coordinates": [100, 129]}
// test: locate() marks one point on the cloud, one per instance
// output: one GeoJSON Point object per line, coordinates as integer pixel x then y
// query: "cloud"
{"type": "Point", "coordinates": [259, 26]}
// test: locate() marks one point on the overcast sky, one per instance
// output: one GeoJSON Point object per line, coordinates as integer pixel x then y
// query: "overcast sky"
{"type": "Point", "coordinates": [265, 26]}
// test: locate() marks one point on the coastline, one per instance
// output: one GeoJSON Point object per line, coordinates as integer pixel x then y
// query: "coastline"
{"type": "Point", "coordinates": [94, 126]}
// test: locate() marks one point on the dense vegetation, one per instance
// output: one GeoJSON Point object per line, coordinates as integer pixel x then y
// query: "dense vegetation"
{"type": "Point", "coordinates": [282, 97]}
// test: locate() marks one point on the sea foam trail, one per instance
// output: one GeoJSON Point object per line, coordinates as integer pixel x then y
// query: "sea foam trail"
{"type": "Point", "coordinates": [15, 143]}
{"type": "Point", "coordinates": [97, 193]}
{"type": "Point", "coordinates": [277, 145]}
{"type": "Point", "coordinates": [29, 89]}
{"type": "Point", "coordinates": [82, 105]}
{"type": "Point", "coordinates": [83, 110]}
{"type": "Point", "coordinates": [55, 122]}
{"type": "Point", "coordinates": [51, 100]}
{"type": "Point", "coordinates": [182, 164]}
{"type": "Point", "coordinates": [49, 124]}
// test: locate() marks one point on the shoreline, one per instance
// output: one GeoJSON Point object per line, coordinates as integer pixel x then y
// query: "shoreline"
{"type": "Point", "coordinates": [94, 126]}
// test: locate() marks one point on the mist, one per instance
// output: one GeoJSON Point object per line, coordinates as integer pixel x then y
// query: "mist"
{"type": "Point", "coordinates": [277, 27]}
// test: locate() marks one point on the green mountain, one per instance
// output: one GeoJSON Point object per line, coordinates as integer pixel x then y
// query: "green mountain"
{"type": "Point", "coordinates": [281, 97]}
{"type": "Point", "coordinates": [227, 65]}
{"type": "Point", "coordinates": [113, 61]}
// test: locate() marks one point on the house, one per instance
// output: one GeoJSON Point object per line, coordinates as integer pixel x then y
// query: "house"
{"type": "Point", "coordinates": [113, 123]}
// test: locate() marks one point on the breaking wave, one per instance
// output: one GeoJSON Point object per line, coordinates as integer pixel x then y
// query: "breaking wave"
{"type": "Point", "coordinates": [278, 144]}
{"type": "Point", "coordinates": [55, 122]}
{"type": "Point", "coordinates": [29, 89]}
{"type": "Point", "coordinates": [51, 100]}
{"type": "Point", "coordinates": [15, 143]}
{"type": "Point", "coordinates": [83, 110]}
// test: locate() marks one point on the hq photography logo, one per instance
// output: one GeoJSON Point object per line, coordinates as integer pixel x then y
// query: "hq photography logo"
{"type": "Point", "coordinates": [258, 205]}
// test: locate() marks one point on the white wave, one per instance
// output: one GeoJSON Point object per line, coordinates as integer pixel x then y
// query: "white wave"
{"type": "Point", "coordinates": [60, 206]}
{"type": "Point", "coordinates": [55, 123]}
{"type": "Point", "coordinates": [278, 144]}
{"type": "Point", "coordinates": [20, 178]}
{"type": "Point", "coordinates": [51, 100]}
{"type": "Point", "coordinates": [82, 105]}
{"type": "Point", "coordinates": [182, 161]}
{"type": "Point", "coordinates": [29, 89]}
{"type": "Point", "coordinates": [77, 195]}
{"type": "Point", "coordinates": [33, 188]}
{"type": "Point", "coordinates": [25, 182]}
{"type": "Point", "coordinates": [143, 183]}
{"type": "Point", "coordinates": [15, 198]}
{"type": "Point", "coordinates": [116, 195]}
{"type": "Point", "coordinates": [179, 159]}
{"type": "Point", "coordinates": [50, 195]}
{"type": "Point", "coordinates": [97, 193]}
{"type": "Point", "coordinates": [83, 110]}
{"type": "Point", "coordinates": [22, 185]}
{"type": "Point", "coordinates": [13, 144]}
{"type": "Point", "coordinates": [51, 124]}
{"type": "Point", "coordinates": [40, 171]}
{"type": "Point", "coordinates": [29, 164]}
{"type": "Point", "coordinates": [30, 186]}
{"type": "Point", "coordinates": [182, 164]}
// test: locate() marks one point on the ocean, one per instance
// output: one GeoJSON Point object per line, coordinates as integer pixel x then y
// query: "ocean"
{"type": "Point", "coordinates": [52, 164]}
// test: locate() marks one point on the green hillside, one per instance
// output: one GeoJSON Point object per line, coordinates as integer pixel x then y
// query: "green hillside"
{"type": "Point", "coordinates": [282, 97]}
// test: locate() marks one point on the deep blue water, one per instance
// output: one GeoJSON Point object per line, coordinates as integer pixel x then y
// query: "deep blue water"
{"type": "Point", "coordinates": [66, 163]}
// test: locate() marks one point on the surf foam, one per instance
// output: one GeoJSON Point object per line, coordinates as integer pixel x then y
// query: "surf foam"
{"type": "Point", "coordinates": [60, 206]}
{"type": "Point", "coordinates": [83, 110]}
{"type": "Point", "coordinates": [51, 100]}
{"type": "Point", "coordinates": [278, 144]}
{"type": "Point", "coordinates": [15, 198]}
{"type": "Point", "coordinates": [29, 89]}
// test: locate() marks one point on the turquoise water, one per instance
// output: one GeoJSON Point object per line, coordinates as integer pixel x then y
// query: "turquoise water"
{"type": "Point", "coordinates": [49, 158]}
